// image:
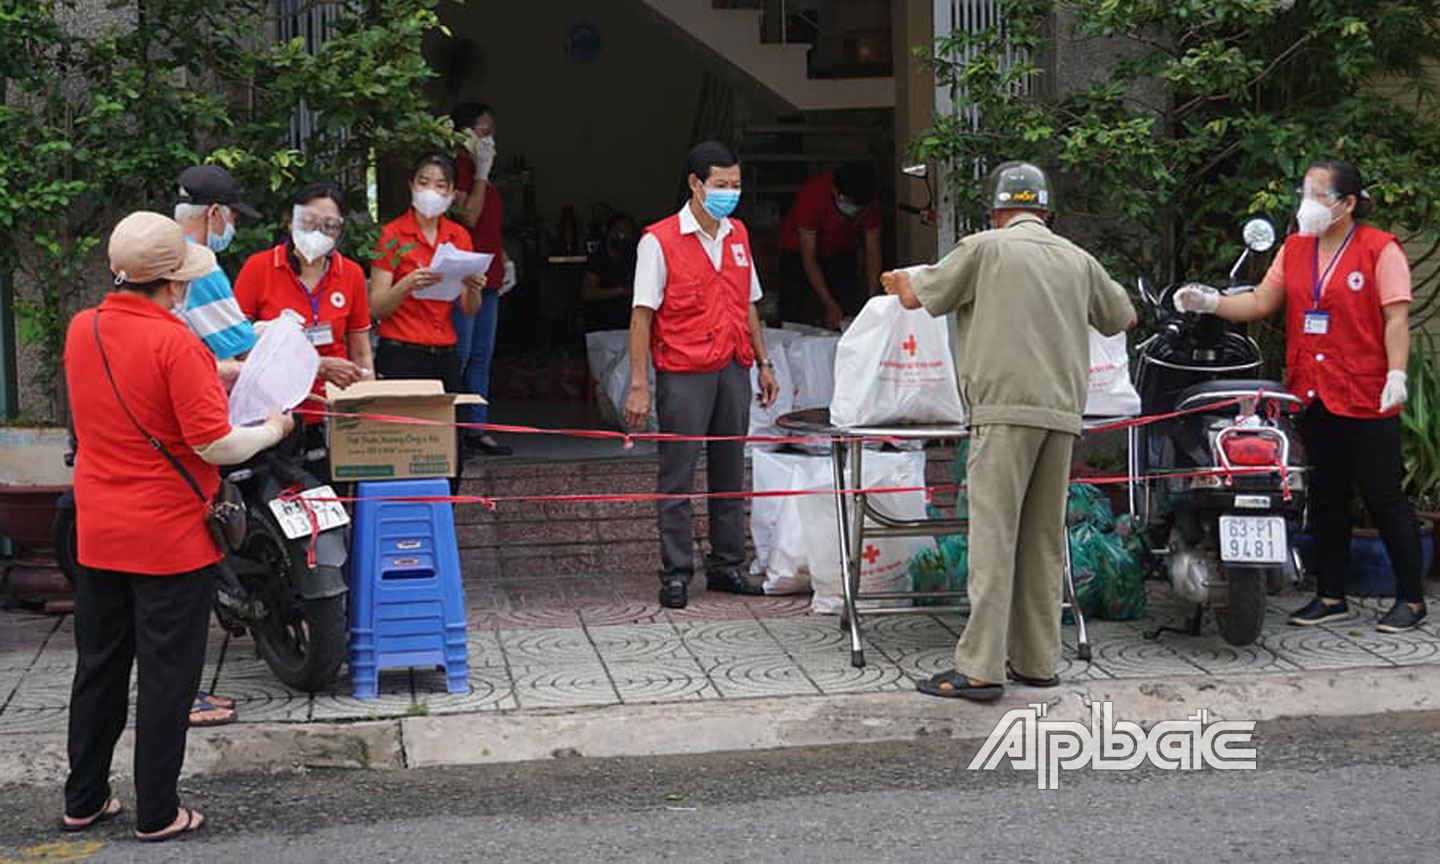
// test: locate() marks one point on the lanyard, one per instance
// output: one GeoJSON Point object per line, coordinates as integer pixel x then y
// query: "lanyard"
{"type": "Point", "coordinates": [313, 298]}
{"type": "Point", "coordinates": [1322, 278]}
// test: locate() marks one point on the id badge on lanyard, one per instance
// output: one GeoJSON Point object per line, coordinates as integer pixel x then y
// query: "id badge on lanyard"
{"type": "Point", "coordinates": [1317, 323]}
{"type": "Point", "coordinates": [320, 335]}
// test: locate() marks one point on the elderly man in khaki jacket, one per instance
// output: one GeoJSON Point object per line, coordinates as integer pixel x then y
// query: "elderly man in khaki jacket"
{"type": "Point", "coordinates": [1022, 298]}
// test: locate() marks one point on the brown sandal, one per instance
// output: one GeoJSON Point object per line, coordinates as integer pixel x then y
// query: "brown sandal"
{"type": "Point", "coordinates": [194, 821]}
{"type": "Point", "coordinates": [112, 808]}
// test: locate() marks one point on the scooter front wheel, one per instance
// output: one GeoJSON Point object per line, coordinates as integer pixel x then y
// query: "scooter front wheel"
{"type": "Point", "coordinates": [302, 641]}
{"type": "Point", "coordinates": [1243, 618]}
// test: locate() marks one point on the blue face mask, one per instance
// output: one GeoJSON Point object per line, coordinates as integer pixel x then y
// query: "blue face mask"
{"type": "Point", "coordinates": [220, 242]}
{"type": "Point", "coordinates": [720, 202]}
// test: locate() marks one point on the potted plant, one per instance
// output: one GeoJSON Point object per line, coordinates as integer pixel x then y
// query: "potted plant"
{"type": "Point", "coordinates": [1420, 439]}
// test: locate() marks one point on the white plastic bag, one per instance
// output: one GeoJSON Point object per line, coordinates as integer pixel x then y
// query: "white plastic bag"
{"type": "Point", "coordinates": [608, 354]}
{"type": "Point", "coordinates": [812, 368]}
{"type": "Point", "coordinates": [885, 564]}
{"type": "Point", "coordinates": [1111, 393]}
{"type": "Point", "coordinates": [278, 373]}
{"type": "Point", "coordinates": [775, 523]}
{"type": "Point", "coordinates": [894, 366]}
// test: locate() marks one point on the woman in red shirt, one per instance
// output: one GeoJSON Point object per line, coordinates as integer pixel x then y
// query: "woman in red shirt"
{"type": "Point", "coordinates": [306, 276]}
{"type": "Point", "coordinates": [152, 422]}
{"type": "Point", "coordinates": [1345, 286]}
{"type": "Point", "coordinates": [417, 336]}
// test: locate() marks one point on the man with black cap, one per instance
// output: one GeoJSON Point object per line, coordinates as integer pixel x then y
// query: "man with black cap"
{"type": "Point", "coordinates": [208, 201]}
{"type": "Point", "coordinates": [1022, 298]}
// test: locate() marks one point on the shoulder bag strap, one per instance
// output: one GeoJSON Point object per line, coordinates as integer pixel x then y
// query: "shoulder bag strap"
{"type": "Point", "coordinates": [151, 439]}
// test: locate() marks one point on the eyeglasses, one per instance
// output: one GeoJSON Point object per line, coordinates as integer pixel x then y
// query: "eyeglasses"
{"type": "Point", "coordinates": [333, 227]}
{"type": "Point", "coordinates": [1302, 192]}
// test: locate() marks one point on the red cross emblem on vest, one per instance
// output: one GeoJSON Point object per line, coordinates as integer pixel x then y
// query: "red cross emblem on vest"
{"type": "Point", "coordinates": [908, 346]}
{"type": "Point", "coordinates": [871, 555]}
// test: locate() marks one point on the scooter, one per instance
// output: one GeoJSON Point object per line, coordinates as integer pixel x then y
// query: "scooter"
{"type": "Point", "coordinates": [1221, 476]}
{"type": "Point", "coordinates": [286, 583]}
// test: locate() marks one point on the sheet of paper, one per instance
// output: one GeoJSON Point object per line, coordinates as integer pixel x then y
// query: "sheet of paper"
{"type": "Point", "coordinates": [453, 265]}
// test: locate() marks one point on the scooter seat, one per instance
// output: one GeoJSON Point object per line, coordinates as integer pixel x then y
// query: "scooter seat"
{"type": "Point", "coordinates": [1227, 389]}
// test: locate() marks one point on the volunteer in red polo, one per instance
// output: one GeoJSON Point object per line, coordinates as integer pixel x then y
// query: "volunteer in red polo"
{"type": "Point", "coordinates": [1346, 290]}
{"type": "Point", "coordinates": [820, 245]}
{"type": "Point", "coordinates": [417, 336]}
{"type": "Point", "coordinates": [144, 391]}
{"type": "Point", "coordinates": [306, 276]}
{"type": "Point", "coordinates": [694, 315]}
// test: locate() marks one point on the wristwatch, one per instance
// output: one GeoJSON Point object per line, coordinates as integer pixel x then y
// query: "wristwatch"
{"type": "Point", "coordinates": [766, 364]}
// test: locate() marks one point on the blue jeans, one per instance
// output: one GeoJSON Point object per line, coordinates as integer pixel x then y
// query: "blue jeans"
{"type": "Point", "coordinates": [475, 346]}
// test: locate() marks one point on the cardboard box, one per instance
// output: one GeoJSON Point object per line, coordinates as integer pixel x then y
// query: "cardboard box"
{"type": "Point", "coordinates": [383, 450]}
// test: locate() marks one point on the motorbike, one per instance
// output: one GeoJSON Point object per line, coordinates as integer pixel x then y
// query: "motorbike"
{"type": "Point", "coordinates": [1221, 474]}
{"type": "Point", "coordinates": [286, 583]}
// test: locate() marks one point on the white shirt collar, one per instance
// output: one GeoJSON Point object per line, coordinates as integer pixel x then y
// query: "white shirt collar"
{"type": "Point", "coordinates": [690, 225]}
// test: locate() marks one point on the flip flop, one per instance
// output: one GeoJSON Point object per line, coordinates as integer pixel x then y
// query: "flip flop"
{"type": "Point", "coordinates": [112, 808]}
{"type": "Point", "coordinates": [960, 687]}
{"type": "Point", "coordinates": [194, 821]}
{"type": "Point", "coordinates": [217, 701]}
{"type": "Point", "coordinates": [1012, 675]}
{"type": "Point", "coordinates": [203, 707]}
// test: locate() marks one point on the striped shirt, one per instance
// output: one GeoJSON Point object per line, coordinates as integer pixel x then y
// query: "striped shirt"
{"type": "Point", "coordinates": [214, 316]}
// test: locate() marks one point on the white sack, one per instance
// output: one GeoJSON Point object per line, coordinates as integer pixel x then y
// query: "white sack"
{"type": "Point", "coordinates": [894, 365]}
{"type": "Point", "coordinates": [775, 523]}
{"type": "Point", "coordinates": [608, 354]}
{"type": "Point", "coordinates": [1111, 393]}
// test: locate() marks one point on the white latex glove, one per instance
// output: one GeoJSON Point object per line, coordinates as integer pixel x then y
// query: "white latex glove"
{"type": "Point", "coordinates": [484, 156]}
{"type": "Point", "coordinates": [1394, 394]}
{"type": "Point", "coordinates": [1196, 298]}
{"type": "Point", "coordinates": [510, 279]}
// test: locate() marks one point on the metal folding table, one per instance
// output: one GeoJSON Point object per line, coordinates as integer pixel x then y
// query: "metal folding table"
{"type": "Point", "coordinates": [858, 520]}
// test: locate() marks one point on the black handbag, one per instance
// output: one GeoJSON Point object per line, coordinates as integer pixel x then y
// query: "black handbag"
{"type": "Point", "coordinates": [225, 514]}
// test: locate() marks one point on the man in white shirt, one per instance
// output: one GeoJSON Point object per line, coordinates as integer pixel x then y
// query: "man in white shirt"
{"type": "Point", "coordinates": [694, 313]}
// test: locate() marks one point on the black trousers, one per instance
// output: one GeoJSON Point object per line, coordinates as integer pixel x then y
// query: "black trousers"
{"type": "Point", "coordinates": [399, 360]}
{"type": "Point", "coordinates": [159, 624]}
{"type": "Point", "coordinates": [1344, 453]}
{"type": "Point", "coordinates": [702, 403]}
{"type": "Point", "coordinates": [797, 300]}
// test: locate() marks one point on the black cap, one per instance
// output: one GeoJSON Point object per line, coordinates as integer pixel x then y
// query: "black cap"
{"type": "Point", "coordinates": [211, 184]}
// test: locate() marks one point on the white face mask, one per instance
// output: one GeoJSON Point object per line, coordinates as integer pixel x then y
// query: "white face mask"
{"type": "Point", "coordinates": [312, 245]}
{"type": "Point", "coordinates": [1313, 218]}
{"type": "Point", "coordinates": [430, 203]}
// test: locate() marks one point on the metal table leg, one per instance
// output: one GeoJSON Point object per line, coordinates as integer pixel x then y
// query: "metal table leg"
{"type": "Point", "coordinates": [843, 508]}
{"type": "Point", "coordinates": [1082, 639]}
{"type": "Point", "coordinates": [855, 458]}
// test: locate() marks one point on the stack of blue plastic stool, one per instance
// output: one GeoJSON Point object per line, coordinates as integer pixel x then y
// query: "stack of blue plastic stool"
{"type": "Point", "coordinates": [407, 606]}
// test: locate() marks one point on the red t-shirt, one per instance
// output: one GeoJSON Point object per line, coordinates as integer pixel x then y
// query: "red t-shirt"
{"type": "Point", "coordinates": [485, 234]}
{"type": "Point", "coordinates": [268, 286]}
{"type": "Point", "coordinates": [815, 210]}
{"type": "Point", "coordinates": [134, 512]}
{"type": "Point", "coordinates": [401, 250]}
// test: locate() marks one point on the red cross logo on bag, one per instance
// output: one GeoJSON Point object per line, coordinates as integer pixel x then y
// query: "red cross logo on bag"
{"type": "Point", "coordinates": [871, 555]}
{"type": "Point", "coordinates": [908, 346]}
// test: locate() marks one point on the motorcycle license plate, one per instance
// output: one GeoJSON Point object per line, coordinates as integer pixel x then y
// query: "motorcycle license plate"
{"type": "Point", "coordinates": [294, 517]}
{"type": "Point", "coordinates": [1253, 540]}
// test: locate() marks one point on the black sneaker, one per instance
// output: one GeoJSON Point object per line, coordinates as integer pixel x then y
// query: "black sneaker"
{"type": "Point", "coordinates": [1401, 618]}
{"type": "Point", "coordinates": [674, 593]}
{"type": "Point", "coordinates": [1319, 612]}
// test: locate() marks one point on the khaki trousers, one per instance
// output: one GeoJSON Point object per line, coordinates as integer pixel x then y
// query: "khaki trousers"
{"type": "Point", "coordinates": [1018, 477]}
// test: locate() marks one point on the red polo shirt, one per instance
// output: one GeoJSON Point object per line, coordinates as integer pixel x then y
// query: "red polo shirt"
{"type": "Point", "coordinates": [267, 286]}
{"type": "Point", "coordinates": [134, 512]}
{"type": "Point", "coordinates": [402, 249]}
{"type": "Point", "coordinates": [485, 234]}
{"type": "Point", "coordinates": [814, 210]}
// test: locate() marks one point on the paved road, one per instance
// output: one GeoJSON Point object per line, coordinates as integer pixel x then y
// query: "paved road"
{"type": "Point", "coordinates": [1351, 790]}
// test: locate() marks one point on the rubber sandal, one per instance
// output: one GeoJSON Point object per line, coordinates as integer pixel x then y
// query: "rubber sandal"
{"type": "Point", "coordinates": [202, 707]}
{"type": "Point", "coordinates": [960, 687]}
{"type": "Point", "coordinates": [1012, 675]}
{"type": "Point", "coordinates": [217, 701]}
{"type": "Point", "coordinates": [194, 821]}
{"type": "Point", "coordinates": [112, 808]}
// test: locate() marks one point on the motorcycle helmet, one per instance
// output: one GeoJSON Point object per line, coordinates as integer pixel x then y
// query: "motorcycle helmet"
{"type": "Point", "coordinates": [1017, 186]}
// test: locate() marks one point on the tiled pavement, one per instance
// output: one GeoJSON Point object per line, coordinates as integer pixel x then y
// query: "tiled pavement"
{"type": "Point", "coordinates": [603, 641]}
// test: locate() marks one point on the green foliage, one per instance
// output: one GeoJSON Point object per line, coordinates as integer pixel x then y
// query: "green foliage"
{"type": "Point", "coordinates": [1209, 115]}
{"type": "Point", "coordinates": [96, 126]}
{"type": "Point", "coordinates": [1420, 445]}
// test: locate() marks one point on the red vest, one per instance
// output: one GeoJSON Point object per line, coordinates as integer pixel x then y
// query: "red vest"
{"type": "Point", "coordinates": [704, 317]}
{"type": "Point", "coordinates": [1345, 367]}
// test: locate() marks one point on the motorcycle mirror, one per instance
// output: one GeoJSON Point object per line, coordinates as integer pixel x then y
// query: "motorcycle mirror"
{"type": "Point", "coordinates": [1144, 288]}
{"type": "Point", "coordinates": [918, 170]}
{"type": "Point", "coordinates": [1259, 235]}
